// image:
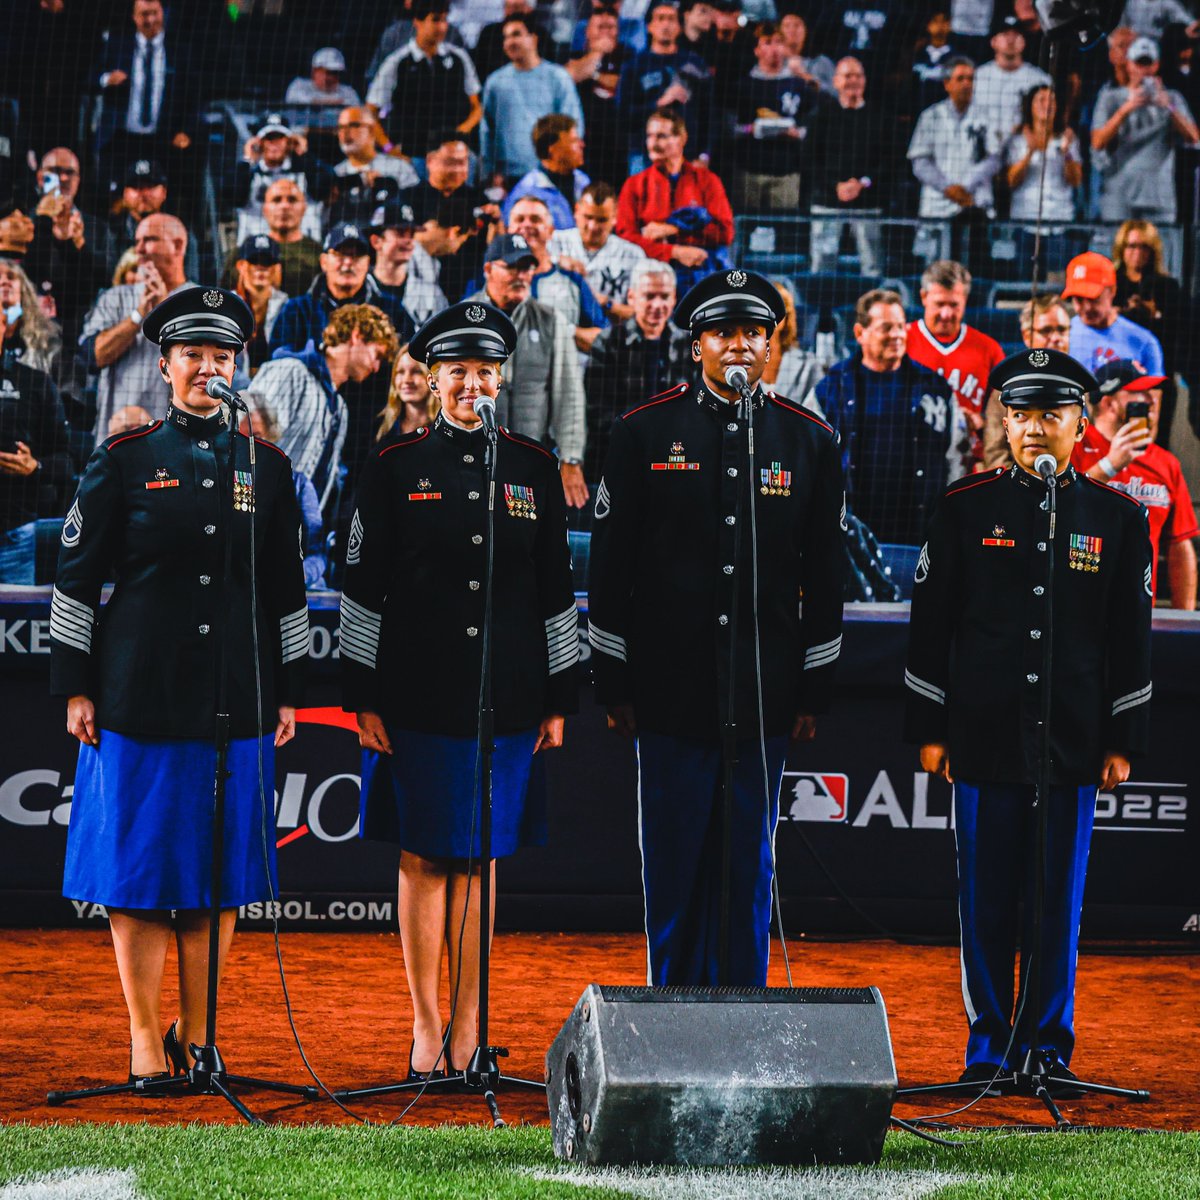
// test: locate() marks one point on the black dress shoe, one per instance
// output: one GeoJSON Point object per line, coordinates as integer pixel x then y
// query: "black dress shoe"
{"type": "Point", "coordinates": [986, 1073]}
{"type": "Point", "coordinates": [176, 1054]}
{"type": "Point", "coordinates": [1061, 1083]}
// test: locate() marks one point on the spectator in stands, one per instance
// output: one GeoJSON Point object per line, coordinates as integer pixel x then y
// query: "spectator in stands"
{"type": "Point", "coordinates": [258, 274]}
{"type": "Point", "coordinates": [59, 176]}
{"type": "Point", "coordinates": [954, 153]}
{"type": "Point", "coordinates": [896, 421]}
{"type": "Point", "coordinates": [1045, 322]}
{"type": "Point", "coordinates": [446, 190]}
{"type": "Point", "coordinates": [111, 341]}
{"type": "Point", "coordinates": [1126, 454]}
{"type": "Point", "coordinates": [34, 461]}
{"type": "Point", "coordinates": [773, 110]}
{"type": "Point", "coordinates": [302, 386]}
{"type": "Point", "coordinates": [1151, 18]}
{"type": "Point", "coordinates": [1149, 296]}
{"type": "Point", "coordinates": [941, 340]}
{"type": "Point", "coordinates": [132, 416]}
{"type": "Point", "coordinates": [262, 424]}
{"type": "Point", "coordinates": [557, 180]}
{"type": "Point", "coordinates": [488, 52]}
{"type": "Point", "coordinates": [849, 152]}
{"type": "Point", "coordinates": [149, 92]}
{"type": "Point", "coordinates": [596, 70]}
{"type": "Point", "coordinates": [542, 394]}
{"type": "Point", "coordinates": [324, 84]}
{"type": "Point", "coordinates": [873, 32]}
{"type": "Point", "coordinates": [665, 77]}
{"type": "Point", "coordinates": [641, 356]}
{"type": "Point", "coordinates": [425, 80]}
{"type": "Point", "coordinates": [1099, 333]}
{"type": "Point", "coordinates": [728, 48]}
{"type": "Point", "coordinates": [1043, 131]}
{"type": "Point", "coordinates": [1134, 134]}
{"type": "Point", "coordinates": [126, 270]}
{"type": "Point", "coordinates": [299, 254]}
{"type": "Point", "coordinates": [593, 250]}
{"type": "Point", "coordinates": [676, 210]}
{"type": "Point", "coordinates": [930, 56]}
{"type": "Point", "coordinates": [791, 370]}
{"type": "Point", "coordinates": [404, 268]}
{"type": "Point", "coordinates": [564, 290]}
{"type": "Point", "coordinates": [30, 337]}
{"type": "Point", "coordinates": [1001, 83]}
{"type": "Point", "coordinates": [356, 131]}
{"type": "Point", "coordinates": [515, 97]}
{"type": "Point", "coordinates": [397, 35]}
{"type": "Point", "coordinates": [345, 279]}
{"type": "Point", "coordinates": [277, 152]}
{"type": "Point", "coordinates": [816, 70]}
{"type": "Point", "coordinates": [144, 193]}
{"type": "Point", "coordinates": [411, 405]}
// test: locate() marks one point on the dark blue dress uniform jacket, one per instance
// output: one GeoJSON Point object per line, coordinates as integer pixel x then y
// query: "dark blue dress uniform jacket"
{"type": "Point", "coordinates": [153, 510]}
{"type": "Point", "coordinates": [979, 615]}
{"type": "Point", "coordinates": [666, 557]}
{"type": "Point", "coordinates": [412, 604]}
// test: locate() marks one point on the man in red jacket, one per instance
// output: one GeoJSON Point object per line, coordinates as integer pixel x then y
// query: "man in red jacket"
{"type": "Point", "coordinates": [676, 210]}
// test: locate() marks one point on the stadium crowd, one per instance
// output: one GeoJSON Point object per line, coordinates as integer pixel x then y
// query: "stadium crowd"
{"type": "Point", "coordinates": [580, 164]}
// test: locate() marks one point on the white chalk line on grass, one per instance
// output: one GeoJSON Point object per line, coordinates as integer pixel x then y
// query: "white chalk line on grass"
{"type": "Point", "coordinates": [75, 1183]}
{"type": "Point", "coordinates": [813, 1183]}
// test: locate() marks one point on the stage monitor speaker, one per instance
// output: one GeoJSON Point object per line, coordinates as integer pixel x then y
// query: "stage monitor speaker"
{"type": "Point", "coordinates": [720, 1076]}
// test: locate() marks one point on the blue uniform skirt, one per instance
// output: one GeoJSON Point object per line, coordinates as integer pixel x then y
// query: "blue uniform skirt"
{"type": "Point", "coordinates": [141, 824]}
{"type": "Point", "coordinates": [424, 795]}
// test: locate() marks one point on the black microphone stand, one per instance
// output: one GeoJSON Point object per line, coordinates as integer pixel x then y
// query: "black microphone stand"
{"type": "Point", "coordinates": [1036, 1075]}
{"type": "Point", "coordinates": [482, 1074]}
{"type": "Point", "coordinates": [209, 1076]}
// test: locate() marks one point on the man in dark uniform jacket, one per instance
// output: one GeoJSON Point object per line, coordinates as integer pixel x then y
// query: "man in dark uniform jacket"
{"type": "Point", "coordinates": [977, 654]}
{"type": "Point", "coordinates": [154, 509]}
{"type": "Point", "coordinates": [673, 579]}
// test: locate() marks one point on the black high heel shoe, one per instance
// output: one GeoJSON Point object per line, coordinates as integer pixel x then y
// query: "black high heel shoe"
{"type": "Point", "coordinates": [156, 1077]}
{"type": "Point", "coordinates": [176, 1054]}
{"type": "Point", "coordinates": [421, 1076]}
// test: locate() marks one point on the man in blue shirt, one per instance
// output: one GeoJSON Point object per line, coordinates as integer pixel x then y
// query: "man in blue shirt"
{"type": "Point", "coordinates": [515, 96]}
{"type": "Point", "coordinates": [1099, 334]}
{"type": "Point", "coordinates": [558, 181]}
{"type": "Point", "coordinates": [663, 76]}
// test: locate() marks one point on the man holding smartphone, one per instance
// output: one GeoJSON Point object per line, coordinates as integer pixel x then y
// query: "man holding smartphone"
{"type": "Point", "coordinates": [1119, 448]}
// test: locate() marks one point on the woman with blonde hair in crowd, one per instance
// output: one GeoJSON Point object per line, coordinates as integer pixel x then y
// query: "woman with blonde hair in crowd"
{"type": "Point", "coordinates": [1147, 294]}
{"type": "Point", "coordinates": [410, 403]}
{"type": "Point", "coordinates": [28, 333]}
{"type": "Point", "coordinates": [791, 371]}
{"type": "Point", "coordinates": [126, 270]}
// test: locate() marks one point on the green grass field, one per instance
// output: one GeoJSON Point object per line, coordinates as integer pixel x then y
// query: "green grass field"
{"type": "Point", "coordinates": [143, 1162]}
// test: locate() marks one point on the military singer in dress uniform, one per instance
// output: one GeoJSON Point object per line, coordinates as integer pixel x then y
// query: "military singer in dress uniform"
{"type": "Point", "coordinates": [979, 613]}
{"type": "Point", "coordinates": [417, 547]}
{"type": "Point", "coordinates": [153, 511]}
{"type": "Point", "coordinates": [668, 559]}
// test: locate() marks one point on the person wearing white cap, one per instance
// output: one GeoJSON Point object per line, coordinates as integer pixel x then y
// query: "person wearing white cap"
{"type": "Point", "coordinates": [1134, 133]}
{"type": "Point", "coordinates": [324, 84]}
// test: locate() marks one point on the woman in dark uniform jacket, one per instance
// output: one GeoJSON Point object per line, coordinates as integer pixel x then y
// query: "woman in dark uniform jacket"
{"type": "Point", "coordinates": [417, 543]}
{"type": "Point", "coordinates": [153, 510]}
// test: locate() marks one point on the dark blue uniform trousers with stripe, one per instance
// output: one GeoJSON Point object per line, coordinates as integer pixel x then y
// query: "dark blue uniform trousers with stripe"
{"type": "Point", "coordinates": [994, 826]}
{"type": "Point", "coordinates": [680, 814]}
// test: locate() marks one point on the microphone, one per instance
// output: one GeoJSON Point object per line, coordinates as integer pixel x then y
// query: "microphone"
{"type": "Point", "coordinates": [736, 378]}
{"type": "Point", "coordinates": [485, 410]}
{"type": "Point", "coordinates": [1046, 466]}
{"type": "Point", "coordinates": [218, 389]}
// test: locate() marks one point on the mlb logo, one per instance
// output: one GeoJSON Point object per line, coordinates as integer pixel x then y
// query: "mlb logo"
{"type": "Point", "coordinates": [814, 796]}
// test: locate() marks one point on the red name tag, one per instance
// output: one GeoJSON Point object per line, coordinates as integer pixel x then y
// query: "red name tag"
{"type": "Point", "coordinates": [161, 483]}
{"type": "Point", "coordinates": [999, 542]}
{"type": "Point", "coordinates": [673, 466]}
{"type": "Point", "coordinates": [424, 495]}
